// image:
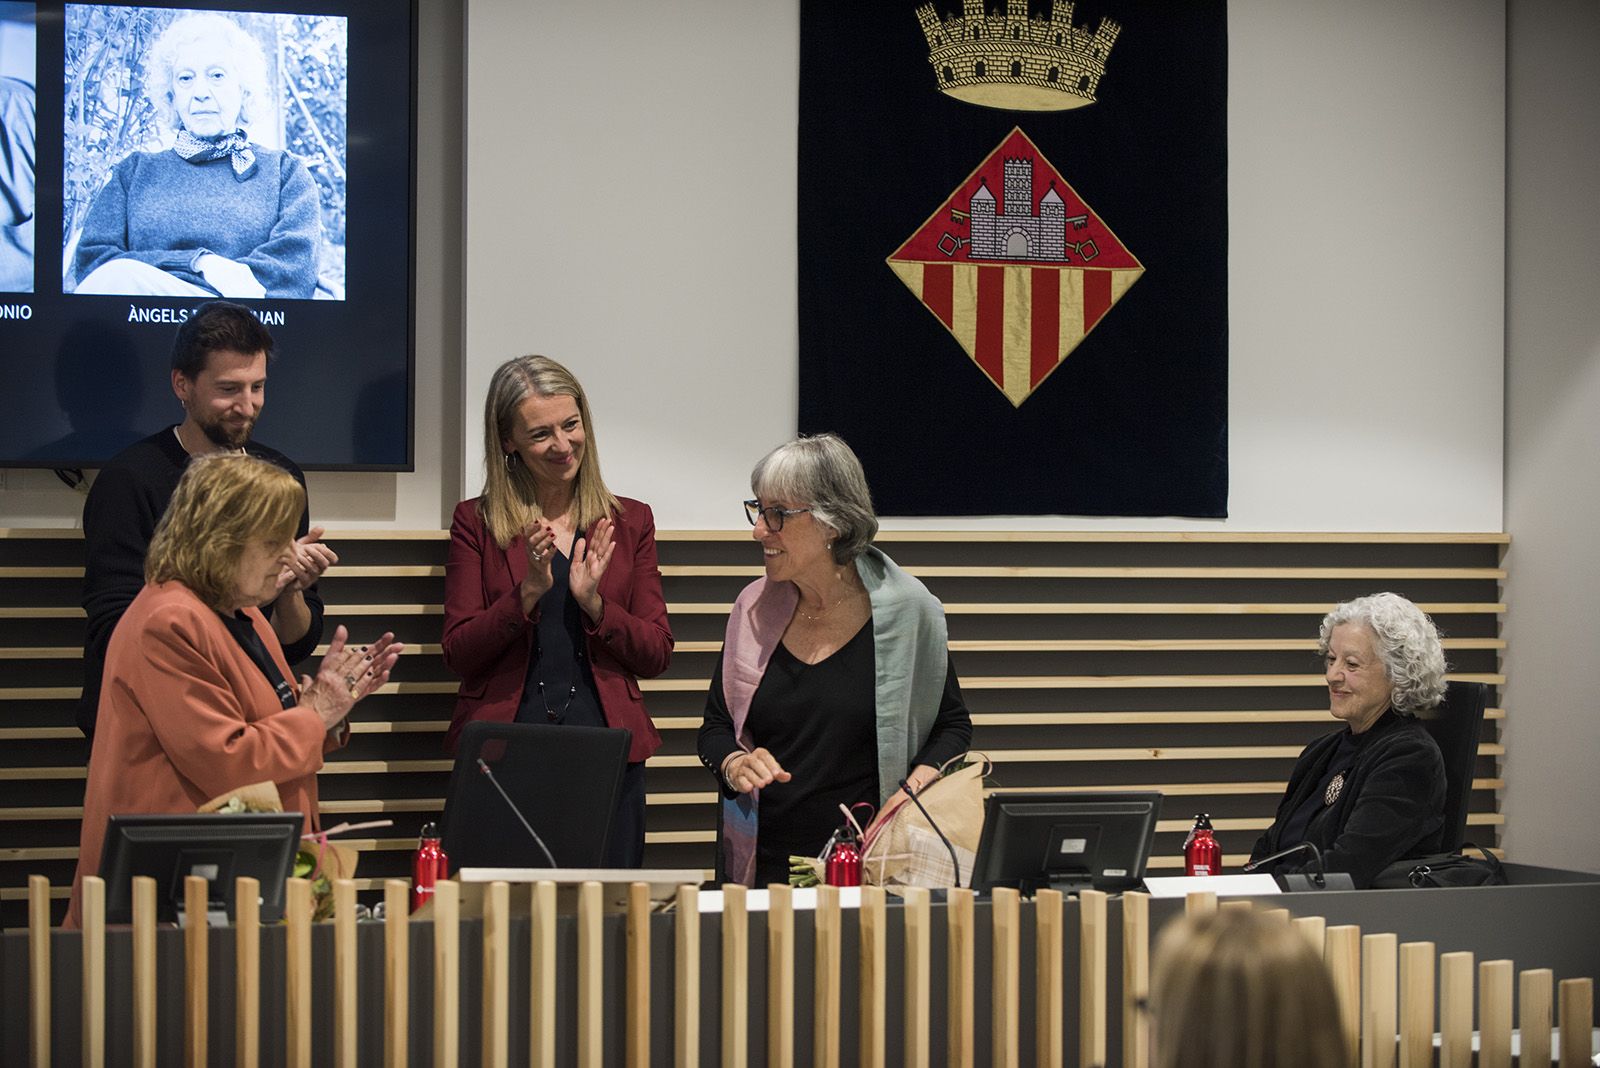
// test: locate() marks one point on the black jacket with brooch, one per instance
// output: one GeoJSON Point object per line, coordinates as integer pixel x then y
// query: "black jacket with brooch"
{"type": "Point", "coordinates": [1391, 805]}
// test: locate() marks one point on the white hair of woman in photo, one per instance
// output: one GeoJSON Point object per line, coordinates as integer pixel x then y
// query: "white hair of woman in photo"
{"type": "Point", "coordinates": [216, 214]}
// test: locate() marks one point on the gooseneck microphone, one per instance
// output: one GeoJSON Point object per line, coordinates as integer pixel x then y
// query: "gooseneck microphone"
{"type": "Point", "coordinates": [483, 767]}
{"type": "Point", "coordinates": [1318, 879]}
{"type": "Point", "coordinates": [954, 863]}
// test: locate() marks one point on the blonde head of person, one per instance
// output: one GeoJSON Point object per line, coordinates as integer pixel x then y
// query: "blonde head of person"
{"type": "Point", "coordinates": [1236, 989]}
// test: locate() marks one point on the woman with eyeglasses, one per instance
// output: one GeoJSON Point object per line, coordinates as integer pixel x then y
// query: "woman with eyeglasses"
{"type": "Point", "coordinates": [553, 607]}
{"type": "Point", "coordinates": [835, 684]}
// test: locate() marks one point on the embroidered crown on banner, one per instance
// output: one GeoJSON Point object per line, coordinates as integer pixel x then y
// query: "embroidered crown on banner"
{"type": "Point", "coordinates": [1015, 61]}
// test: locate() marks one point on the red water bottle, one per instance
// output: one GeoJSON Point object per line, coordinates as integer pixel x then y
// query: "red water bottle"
{"type": "Point", "coordinates": [427, 867]}
{"type": "Point", "coordinates": [844, 860]}
{"type": "Point", "coordinates": [1201, 853]}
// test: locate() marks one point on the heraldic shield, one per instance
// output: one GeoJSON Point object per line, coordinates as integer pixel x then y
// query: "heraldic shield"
{"type": "Point", "coordinates": [1016, 266]}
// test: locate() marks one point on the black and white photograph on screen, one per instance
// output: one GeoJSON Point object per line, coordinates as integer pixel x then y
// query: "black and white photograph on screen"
{"type": "Point", "coordinates": [204, 153]}
{"type": "Point", "coordinates": [18, 109]}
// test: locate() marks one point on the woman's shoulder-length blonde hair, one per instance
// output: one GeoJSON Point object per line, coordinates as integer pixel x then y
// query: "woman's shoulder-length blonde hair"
{"type": "Point", "coordinates": [510, 501]}
{"type": "Point", "coordinates": [223, 503]}
{"type": "Point", "coordinates": [1239, 989]}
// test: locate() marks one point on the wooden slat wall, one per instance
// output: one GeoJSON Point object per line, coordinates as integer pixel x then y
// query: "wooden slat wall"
{"type": "Point", "coordinates": [1184, 662]}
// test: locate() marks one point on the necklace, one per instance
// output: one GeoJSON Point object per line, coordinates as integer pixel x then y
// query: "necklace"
{"type": "Point", "coordinates": [813, 617]}
{"type": "Point", "coordinates": [552, 716]}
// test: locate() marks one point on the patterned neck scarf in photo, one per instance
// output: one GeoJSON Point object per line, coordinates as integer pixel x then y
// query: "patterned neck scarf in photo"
{"type": "Point", "coordinates": [235, 145]}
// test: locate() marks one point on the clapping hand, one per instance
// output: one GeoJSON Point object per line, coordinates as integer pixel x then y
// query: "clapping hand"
{"type": "Point", "coordinates": [589, 567]}
{"type": "Point", "coordinates": [348, 674]}
{"type": "Point", "coordinates": [310, 558]}
{"type": "Point", "coordinates": [539, 542]}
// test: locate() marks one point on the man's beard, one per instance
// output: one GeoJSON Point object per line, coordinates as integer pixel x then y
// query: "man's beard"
{"type": "Point", "coordinates": [224, 436]}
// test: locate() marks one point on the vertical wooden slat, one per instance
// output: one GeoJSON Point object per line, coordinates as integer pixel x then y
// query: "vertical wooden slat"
{"type": "Point", "coordinates": [1049, 1030]}
{"type": "Point", "coordinates": [636, 1009]}
{"type": "Point", "coordinates": [780, 976]}
{"type": "Point", "coordinates": [92, 904]}
{"type": "Point", "coordinates": [1379, 966]}
{"type": "Point", "coordinates": [686, 979]}
{"type": "Point", "coordinates": [1341, 948]}
{"type": "Point", "coordinates": [1314, 930]}
{"type": "Point", "coordinates": [144, 972]}
{"type": "Point", "coordinates": [1092, 937]}
{"type": "Point", "coordinates": [874, 980]}
{"type": "Point", "coordinates": [1416, 1005]}
{"type": "Point", "coordinates": [1135, 979]}
{"type": "Point", "coordinates": [446, 973]}
{"type": "Point", "coordinates": [297, 972]}
{"type": "Point", "coordinates": [1494, 1013]}
{"type": "Point", "coordinates": [825, 993]}
{"type": "Point", "coordinates": [246, 972]}
{"type": "Point", "coordinates": [346, 976]}
{"type": "Point", "coordinates": [1276, 915]}
{"type": "Point", "coordinates": [497, 975]}
{"type": "Point", "coordinates": [542, 976]}
{"type": "Point", "coordinates": [1455, 1010]}
{"type": "Point", "coordinates": [1535, 1015]}
{"type": "Point", "coordinates": [1577, 1022]}
{"type": "Point", "coordinates": [735, 975]}
{"type": "Point", "coordinates": [1199, 902]}
{"type": "Point", "coordinates": [1236, 904]}
{"type": "Point", "coordinates": [960, 1020]}
{"type": "Point", "coordinates": [917, 916]}
{"type": "Point", "coordinates": [39, 970]}
{"type": "Point", "coordinates": [591, 976]}
{"type": "Point", "coordinates": [196, 970]}
{"type": "Point", "coordinates": [396, 972]}
{"type": "Point", "coordinates": [1005, 985]}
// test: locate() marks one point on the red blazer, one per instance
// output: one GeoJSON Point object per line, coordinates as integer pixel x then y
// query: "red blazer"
{"type": "Point", "coordinates": [488, 640]}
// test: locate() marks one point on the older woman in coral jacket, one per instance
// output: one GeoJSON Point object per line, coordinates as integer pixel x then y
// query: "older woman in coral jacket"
{"type": "Point", "coordinates": [553, 606]}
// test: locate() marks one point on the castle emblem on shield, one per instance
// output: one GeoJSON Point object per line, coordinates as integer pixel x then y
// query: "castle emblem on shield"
{"type": "Point", "coordinates": [1016, 266]}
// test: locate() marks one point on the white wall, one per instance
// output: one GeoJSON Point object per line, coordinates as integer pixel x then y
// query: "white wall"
{"type": "Point", "coordinates": [1366, 202]}
{"type": "Point", "coordinates": [1552, 727]}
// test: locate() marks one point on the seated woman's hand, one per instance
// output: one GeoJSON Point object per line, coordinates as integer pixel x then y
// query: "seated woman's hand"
{"type": "Point", "coordinates": [230, 277]}
{"type": "Point", "coordinates": [753, 770]}
{"type": "Point", "coordinates": [347, 674]}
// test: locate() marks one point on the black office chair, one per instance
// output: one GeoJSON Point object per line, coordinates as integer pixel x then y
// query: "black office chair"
{"type": "Point", "coordinates": [1456, 726]}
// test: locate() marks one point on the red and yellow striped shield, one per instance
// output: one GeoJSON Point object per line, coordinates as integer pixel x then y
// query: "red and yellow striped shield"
{"type": "Point", "coordinates": [1016, 266]}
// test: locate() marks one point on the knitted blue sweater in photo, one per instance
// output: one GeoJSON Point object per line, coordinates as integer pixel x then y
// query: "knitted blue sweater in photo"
{"type": "Point", "coordinates": [164, 210]}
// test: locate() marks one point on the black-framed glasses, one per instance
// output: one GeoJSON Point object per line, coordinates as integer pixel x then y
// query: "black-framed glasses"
{"type": "Point", "coordinates": [772, 515]}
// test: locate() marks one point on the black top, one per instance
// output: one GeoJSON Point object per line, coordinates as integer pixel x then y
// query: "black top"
{"type": "Point", "coordinates": [126, 501]}
{"type": "Point", "coordinates": [243, 629]}
{"type": "Point", "coordinates": [559, 687]}
{"type": "Point", "coordinates": [1391, 804]}
{"type": "Point", "coordinates": [820, 722]}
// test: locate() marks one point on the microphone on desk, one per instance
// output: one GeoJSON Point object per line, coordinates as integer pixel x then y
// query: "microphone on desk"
{"type": "Point", "coordinates": [1316, 879]}
{"type": "Point", "coordinates": [954, 863]}
{"type": "Point", "coordinates": [483, 767]}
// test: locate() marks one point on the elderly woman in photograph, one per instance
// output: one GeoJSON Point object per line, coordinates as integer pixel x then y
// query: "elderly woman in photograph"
{"type": "Point", "coordinates": [1237, 989]}
{"type": "Point", "coordinates": [835, 682]}
{"type": "Point", "coordinates": [215, 214]}
{"type": "Point", "coordinates": [1372, 792]}
{"type": "Point", "coordinates": [552, 598]}
{"type": "Point", "coordinates": [198, 700]}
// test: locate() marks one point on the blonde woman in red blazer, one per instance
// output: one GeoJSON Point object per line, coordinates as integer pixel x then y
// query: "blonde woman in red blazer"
{"type": "Point", "coordinates": [198, 700]}
{"type": "Point", "coordinates": [553, 606]}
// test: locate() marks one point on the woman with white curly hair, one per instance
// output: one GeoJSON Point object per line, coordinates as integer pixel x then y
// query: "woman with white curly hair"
{"type": "Point", "coordinates": [1373, 792]}
{"type": "Point", "coordinates": [214, 214]}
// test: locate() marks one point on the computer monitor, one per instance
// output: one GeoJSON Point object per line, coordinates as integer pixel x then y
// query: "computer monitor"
{"type": "Point", "coordinates": [563, 779]}
{"type": "Point", "coordinates": [1066, 841]}
{"type": "Point", "coordinates": [217, 847]}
